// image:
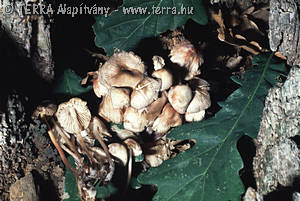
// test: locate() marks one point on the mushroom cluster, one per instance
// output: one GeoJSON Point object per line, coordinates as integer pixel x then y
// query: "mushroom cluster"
{"type": "Point", "coordinates": [154, 103]}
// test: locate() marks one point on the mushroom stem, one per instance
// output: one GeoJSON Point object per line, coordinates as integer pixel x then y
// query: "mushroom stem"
{"type": "Point", "coordinates": [67, 140]}
{"type": "Point", "coordinates": [70, 152]}
{"type": "Point", "coordinates": [83, 146]}
{"type": "Point", "coordinates": [129, 171]}
{"type": "Point", "coordinates": [58, 147]}
{"type": "Point", "coordinates": [105, 149]}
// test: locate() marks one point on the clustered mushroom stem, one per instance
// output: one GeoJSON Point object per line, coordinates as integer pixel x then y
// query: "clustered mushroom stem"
{"type": "Point", "coordinates": [70, 152]}
{"type": "Point", "coordinates": [83, 146]}
{"type": "Point", "coordinates": [111, 163]}
{"type": "Point", "coordinates": [129, 171]}
{"type": "Point", "coordinates": [57, 146]}
{"type": "Point", "coordinates": [67, 140]}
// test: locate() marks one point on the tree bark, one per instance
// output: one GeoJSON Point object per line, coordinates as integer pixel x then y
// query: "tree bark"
{"type": "Point", "coordinates": [30, 33]}
{"type": "Point", "coordinates": [284, 29]}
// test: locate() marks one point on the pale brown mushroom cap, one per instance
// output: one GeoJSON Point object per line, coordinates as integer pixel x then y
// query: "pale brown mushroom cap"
{"type": "Point", "coordinates": [134, 146]}
{"type": "Point", "coordinates": [120, 97]}
{"type": "Point", "coordinates": [108, 112]}
{"type": "Point", "coordinates": [119, 151]}
{"type": "Point", "coordinates": [48, 110]}
{"type": "Point", "coordinates": [97, 126]}
{"type": "Point", "coordinates": [185, 55]}
{"type": "Point", "coordinates": [197, 116]}
{"type": "Point", "coordinates": [158, 62]}
{"type": "Point", "coordinates": [145, 93]}
{"type": "Point", "coordinates": [201, 101]}
{"type": "Point", "coordinates": [167, 119]}
{"type": "Point", "coordinates": [180, 96]}
{"type": "Point", "coordinates": [100, 89]}
{"type": "Point", "coordinates": [134, 120]}
{"type": "Point", "coordinates": [74, 115]}
{"type": "Point", "coordinates": [157, 153]}
{"type": "Point", "coordinates": [123, 134]}
{"type": "Point", "coordinates": [123, 69]}
{"type": "Point", "coordinates": [166, 78]}
{"type": "Point", "coordinates": [154, 109]}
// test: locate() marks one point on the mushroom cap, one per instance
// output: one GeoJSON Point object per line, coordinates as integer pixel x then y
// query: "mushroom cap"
{"type": "Point", "coordinates": [48, 110]}
{"type": "Point", "coordinates": [134, 146]}
{"type": "Point", "coordinates": [134, 120]}
{"type": "Point", "coordinates": [154, 109]}
{"type": "Point", "coordinates": [145, 93]}
{"type": "Point", "coordinates": [98, 127]}
{"type": "Point", "coordinates": [185, 55]}
{"type": "Point", "coordinates": [74, 115]}
{"type": "Point", "coordinates": [167, 119]}
{"type": "Point", "coordinates": [158, 62]}
{"type": "Point", "coordinates": [157, 153]}
{"type": "Point", "coordinates": [198, 83]}
{"type": "Point", "coordinates": [108, 112]}
{"type": "Point", "coordinates": [100, 88]}
{"type": "Point", "coordinates": [197, 116]}
{"type": "Point", "coordinates": [120, 97]}
{"type": "Point", "coordinates": [180, 96]}
{"type": "Point", "coordinates": [201, 101]}
{"type": "Point", "coordinates": [123, 134]}
{"type": "Point", "coordinates": [166, 78]}
{"type": "Point", "coordinates": [119, 151]}
{"type": "Point", "coordinates": [123, 69]}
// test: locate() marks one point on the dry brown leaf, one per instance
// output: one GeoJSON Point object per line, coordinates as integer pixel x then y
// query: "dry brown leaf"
{"type": "Point", "coordinates": [279, 55]}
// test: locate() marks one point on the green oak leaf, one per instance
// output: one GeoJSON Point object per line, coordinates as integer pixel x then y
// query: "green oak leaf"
{"type": "Point", "coordinates": [209, 170]}
{"type": "Point", "coordinates": [124, 31]}
{"type": "Point", "coordinates": [69, 84]}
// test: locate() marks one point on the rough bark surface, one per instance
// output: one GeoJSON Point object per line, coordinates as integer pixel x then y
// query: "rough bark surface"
{"type": "Point", "coordinates": [284, 25]}
{"type": "Point", "coordinates": [25, 147]}
{"type": "Point", "coordinates": [252, 195]}
{"type": "Point", "coordinates": [277, 159]}
{"type": "Point", "coordinates": [243, 4]}
{"type": "Point", "coordinates": [31, 34]}
{"type": "Point", "coordinates": [24, 189]}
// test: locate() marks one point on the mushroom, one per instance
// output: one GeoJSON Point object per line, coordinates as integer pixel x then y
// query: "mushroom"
{"type": "Point", "coordinates": [119, 97]}
{"type": "Point", "coordinates": [158, 62]}
{"type": "Point", "coordinates": [74, 116]}
{"type": "Point", "coordinates": [119, 151]}
{"type": "Point", "coordinates": [145, 93]}
{"type": "Point", "coordinates": [198, 83]}
{"type": "Point", "coordinates": [196, 116]}
{"type": "Point", "coordinates": [166, 78]}
{"type": "Point", "coordinates": [185, 55]}
{"type": "Point", "coordinates": [155, 108]}
{"type": "Point", "coordinates": [122, 69]}
{"type": "Point", "coordinates": [108, 112]}
{"type": "Point", "coordinates": [180, 96]}
{"type": "Point", "coordinates": [123, 134]}
{"type": "Point", "coordinates": [167, 119]}
{"type": "Point", "coordinates": [157, 152]}
{"type": "Point", "coordinates": [43, 112]}
{"type": "Point", "coordinates": [97, 126]}
{"type": "Point", "coordinates": [48, 110]}
{"type": "Point", "coordinates": [134, 120]}
{"type": "Point", "coordinates": [100, 88]}
{"type": "Point", "coordinates": [201, 101]}
{"type": "Point", "coordinates": [134, 146]}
